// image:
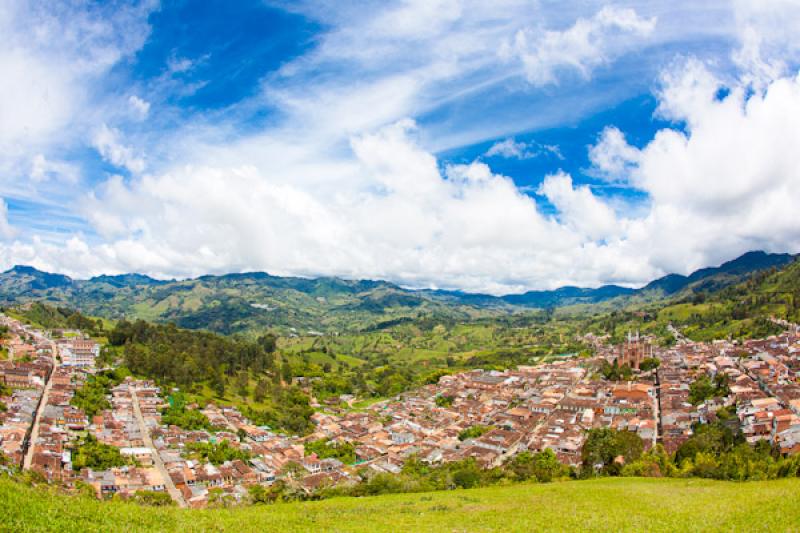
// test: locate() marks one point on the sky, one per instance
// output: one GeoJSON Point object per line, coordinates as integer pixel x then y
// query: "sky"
{"type": "Point", "coordinates": [482, 146]}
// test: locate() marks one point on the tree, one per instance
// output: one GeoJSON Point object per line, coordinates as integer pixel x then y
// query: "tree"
{"type": "Point", "coordinates": [243, 383]}
{"type": "Point", "coordinates": [546, 466]}
{"type": "Point", "coordinates": [268, 342]}
{"type": "Point", "coordinates": [153, 498]}
{"type": "Point", "coordinates": [715, 439]}
{"type": "Point", "coordinates": [286, 372]}
{"type": "Point", "coordinates": [649, 363]}
{"type": "Point", "coordinates": [604, 445]}
{"type": "Point", "coordinates": [96, 455]}
{"type": "Point", "coordinates": [343, 451]}
{"type": "Point", "coordinates": [218, 383]}
{"type": "Point", "coordinates": [467, 477]}
{"type": "Point", "coordinates": [190, 419]}
{"type": "Point", "coordinates": [218, 499]}
{"type": "Point", "coordinates": [702, 388]}
{"type": "Point", "coordinates": [91, 397]}
{"type": "Point", "coordinates": [262, 387]}
{"type": "Point", "coordinates": [653, 463]}
{"type": "Point", "coordinates": [521, 466]}
{"type": "Point", "coordinates": [217, 454]}
{"type": "Point", "coordinates": [444, 401]}
{"type": "Point", "coordinates": [474, 432]}
{"type": "Point", "coordinates": [259, 494]}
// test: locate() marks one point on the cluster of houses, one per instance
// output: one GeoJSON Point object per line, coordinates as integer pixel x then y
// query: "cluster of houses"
{"type": "Point", "coordinates": [23, 375]}
{"type": "Point", "coordinates": [761, 377]}
{"type": "Point", "coordinates": [38, 385]}
{"type": "Point", "coordinates": [531, 408]}
{"type": "Point", "coordinates": [488, 416]}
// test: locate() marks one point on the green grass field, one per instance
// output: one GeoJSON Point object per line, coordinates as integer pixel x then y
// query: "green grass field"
{"type": "Point", "coordinates": [621, 504]}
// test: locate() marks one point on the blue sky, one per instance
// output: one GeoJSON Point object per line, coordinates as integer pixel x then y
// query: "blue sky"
{"type": "Point", "coordinates": [523, 144]}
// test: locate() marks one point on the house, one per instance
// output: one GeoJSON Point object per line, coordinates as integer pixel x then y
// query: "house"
{"type": "Point", "coordinates": [79, 353]}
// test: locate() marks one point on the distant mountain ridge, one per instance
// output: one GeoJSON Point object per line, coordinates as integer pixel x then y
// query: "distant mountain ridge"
{"type": "Point", "coordinates": [242, 302]}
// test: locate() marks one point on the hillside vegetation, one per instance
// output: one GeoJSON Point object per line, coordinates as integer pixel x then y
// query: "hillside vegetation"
{"type": "Point", "coordinates": [622, 504]}
{"type": "Point", "coordinates": [250, 303]}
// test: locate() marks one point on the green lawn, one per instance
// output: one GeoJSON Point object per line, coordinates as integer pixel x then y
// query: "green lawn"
{"type": "Point", "coordinates": [598, 505]}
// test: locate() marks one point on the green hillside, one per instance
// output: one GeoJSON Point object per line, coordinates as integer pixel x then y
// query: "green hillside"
{"type": "Point", "coordinates": [622, 504]}
{"type": "Point", "coordinates": [236, 303]}
{"type": "Point", "coordinates": [250, 303]}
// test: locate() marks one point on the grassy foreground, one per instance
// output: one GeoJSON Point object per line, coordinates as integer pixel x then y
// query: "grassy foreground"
{"type": "Point", "coordinates": [622, 504]}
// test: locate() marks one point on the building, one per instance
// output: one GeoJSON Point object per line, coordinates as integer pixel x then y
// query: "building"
{"type": "Point", "coordinates": [80, 353]}
{"type": "Point", "coordinates": [634, 351]}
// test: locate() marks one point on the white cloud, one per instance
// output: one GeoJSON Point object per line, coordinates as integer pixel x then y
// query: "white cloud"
{"type": "Point", "coordinates": [6, 230]}
{"type": "Point", "coordinates": [579, 209]}
{"type": "Point", "coordinates": [724, 186]}
{"type": "Point", "coordinates": [513, 149]}
{"type": "Point", "coordinates": [106, 142]}
{"type": "Point", "coordinates": [395, 215]}
{"type": "Point", "coordinates": [55, 58]}
{"type": "Point", "coordinates": [179, 65]}
{"type": "Point", "coordinates": [50, 54]}
{"type": "Point", "coordinates": [343, 184]}
{"type": "Point", "coordinates": [582, 47]}
{"type": "Point", "coordinates": [43, 169]}
{"type": "Point", "coordinates": [612, 157]}
{"type": "Point", "coordinates": [139, 106]}
{"type": "Point", "coordinates": [767, 32]}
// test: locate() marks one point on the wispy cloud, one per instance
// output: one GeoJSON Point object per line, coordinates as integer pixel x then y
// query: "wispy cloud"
{"type": "Point", "coordinates": [513, 149]}
{"type": "Point", "coordinates": [585, 45]}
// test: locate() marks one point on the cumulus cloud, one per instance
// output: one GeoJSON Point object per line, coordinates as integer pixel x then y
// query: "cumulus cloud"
{"type": "Point", "coordinates": [612, 157]}
{"type": "Point", "coordinates": [579, 209]}
{"type": "Point", "coordinates": [408, 221]}
{"type": "Point", "coordinates": [722, 184]}
{"type": "Point", "coordinates": [581, 48]}
{"type": "Point", "coordinates": [726, 183]}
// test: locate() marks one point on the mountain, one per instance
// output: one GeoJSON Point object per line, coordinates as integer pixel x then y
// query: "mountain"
{"type": "Point", "coordinates": [126, 280]}
{"type": "Point", "coordinates": [715, 278]}
{"type": "Point", "coordinates": [21, 280]}
{"type": "Point", "coordinates": [567, 296]}
{"type": "Point", "coordinates": [254, 301]}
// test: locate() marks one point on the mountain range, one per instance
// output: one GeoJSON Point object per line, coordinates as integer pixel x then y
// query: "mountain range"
{"type": "Point", "coordinates": [253, 301]}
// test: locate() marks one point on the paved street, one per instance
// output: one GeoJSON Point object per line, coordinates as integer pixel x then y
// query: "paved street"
{"type": "Point", "coordinates": [36, 422]}
{"type": "Point", "coordinates": [159, 464]}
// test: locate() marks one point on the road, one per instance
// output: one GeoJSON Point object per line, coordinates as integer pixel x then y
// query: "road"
{"type": "Point", "coordinates": [159, 464]}
{"type": "Point", "coordinates": [26, 463]}
{"type": "Point", "coordinates": [657, 410]}
{"type": "Point", "coordinates": [679, 337]}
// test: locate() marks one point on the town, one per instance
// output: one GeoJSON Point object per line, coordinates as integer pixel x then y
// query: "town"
{"type": "Point", "coordinates": [488, 416]}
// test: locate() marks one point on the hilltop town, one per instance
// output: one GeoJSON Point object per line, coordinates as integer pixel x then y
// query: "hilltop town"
{"type": "Point", "coordinates": [486, 416]}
